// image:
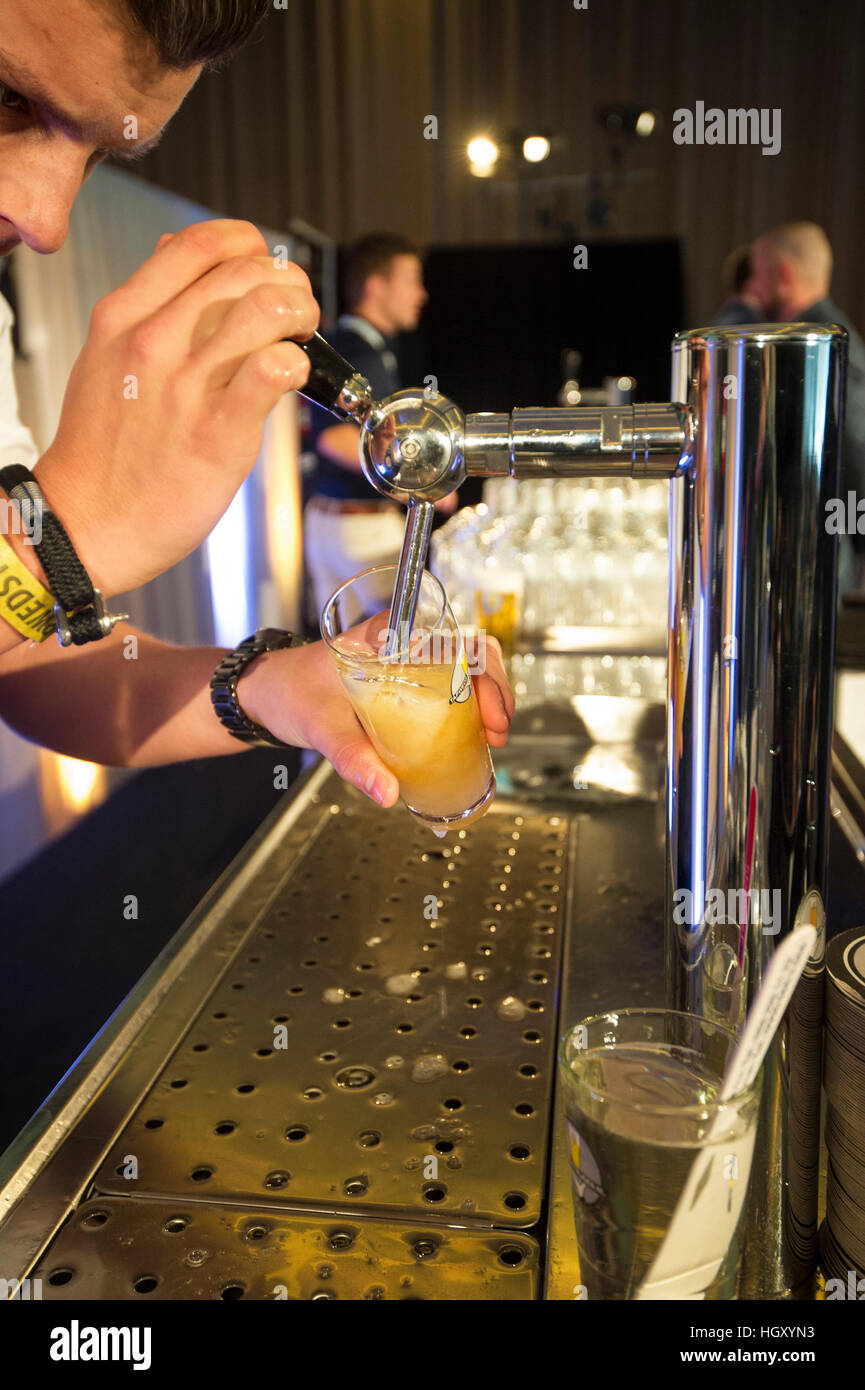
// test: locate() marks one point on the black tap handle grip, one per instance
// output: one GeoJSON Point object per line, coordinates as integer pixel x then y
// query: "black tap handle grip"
{"type": "Point", "coordinates": [329, 373]}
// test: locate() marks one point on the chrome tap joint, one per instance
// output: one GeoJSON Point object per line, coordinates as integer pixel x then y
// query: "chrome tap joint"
{"type": "Point", "coordinates": [355, 399]}
{"type": "Point", "coordinates": [643, 441]}
{"type": "Point", "coordinates": [411, 446]}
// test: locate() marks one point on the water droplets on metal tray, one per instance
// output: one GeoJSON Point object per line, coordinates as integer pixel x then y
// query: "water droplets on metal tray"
{"type": "Point", "coordinates": [128, 1248]}
{"type": "Point", "coordinates": [384, 1038]}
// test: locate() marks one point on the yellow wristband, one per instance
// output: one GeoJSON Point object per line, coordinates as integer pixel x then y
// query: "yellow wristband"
{"type": "Point", "coordinates": [23, 602]}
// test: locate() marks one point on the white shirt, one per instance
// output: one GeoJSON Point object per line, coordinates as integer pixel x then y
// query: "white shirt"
{"type": "Point", "coordinates": [16, 442]}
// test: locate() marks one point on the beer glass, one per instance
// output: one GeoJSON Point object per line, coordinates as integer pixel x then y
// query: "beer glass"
{"type": "Point", "coordinates": [641, 1090]}
{"type": "Point", "coordinates": [417, 706]}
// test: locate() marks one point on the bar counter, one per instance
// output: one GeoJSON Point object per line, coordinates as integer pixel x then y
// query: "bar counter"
{"type": "Point", "coordinates": [339, 1078]}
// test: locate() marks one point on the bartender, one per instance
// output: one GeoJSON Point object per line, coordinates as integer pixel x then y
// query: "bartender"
{"type": "Point", "coordinates": [135, 481]}
{"type": "Point", "coordinates": [348, 527]}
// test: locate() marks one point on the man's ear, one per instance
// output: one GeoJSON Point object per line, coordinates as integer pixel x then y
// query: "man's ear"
{"type": "Point", "coordinates": [374, 284]}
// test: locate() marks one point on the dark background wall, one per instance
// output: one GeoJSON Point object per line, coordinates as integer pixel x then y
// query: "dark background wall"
{"type": "Point", "coordinates": [322, 118]}
{"type": "Point", "coordinates": [521, 305]}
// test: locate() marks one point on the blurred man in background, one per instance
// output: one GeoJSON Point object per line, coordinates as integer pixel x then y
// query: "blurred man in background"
{"type": "Point", "coordinates": [347, 525]}
{"type": "Point", "coordinates": [791, 270]}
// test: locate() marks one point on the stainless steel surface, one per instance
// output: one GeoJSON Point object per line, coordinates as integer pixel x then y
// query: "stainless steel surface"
{"type": "Point", "coordinates": [358, 1053]}
{"type": "Point", "coordinates": [642, 441]}
{"type": "Point", "coordinates": [411, 446]}
{"type": "Point", "coordinates": [421, 445]}
{"type": "Point", "coordinates": [125, 1248]}
{"type": "Point", "coordinates": [411, 451]}
{"type": "Point", "coordinates": [355, 400]}
{"type": "Point", "coordinates": [752, 616]}
{"type": "Point", "coordinates": [418, 525]}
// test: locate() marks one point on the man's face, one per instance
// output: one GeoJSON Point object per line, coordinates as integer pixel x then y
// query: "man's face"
{"type": "Point", "coordinates": [73, 87]}
{"type": "Point", "coordinates": [403, 294]}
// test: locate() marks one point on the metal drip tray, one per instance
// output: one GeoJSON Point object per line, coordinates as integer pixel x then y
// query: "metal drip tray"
{"type": "Point", "coordinates": [129, 1248]}
{"type": "Point", "coordinates": [383, 1038]}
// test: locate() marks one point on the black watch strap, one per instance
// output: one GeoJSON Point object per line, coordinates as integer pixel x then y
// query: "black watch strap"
{"type": "Point", "coordinates": [78, 606]}
{"type": "Point", "coordinates": [223, 685]}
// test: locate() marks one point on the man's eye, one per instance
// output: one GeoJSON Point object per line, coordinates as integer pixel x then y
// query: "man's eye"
{"type": "Point", "coordinates": [11, 100]}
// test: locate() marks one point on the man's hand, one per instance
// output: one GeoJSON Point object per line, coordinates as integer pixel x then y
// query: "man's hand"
{"type": "Point", "coordinates": [164, 410]}
{"type": "Point", "coordinates": [297, 695]}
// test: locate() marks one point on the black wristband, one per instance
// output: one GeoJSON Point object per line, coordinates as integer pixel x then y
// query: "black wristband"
{"type": "Point", "coordinates": [223, 685]}
{"type": "Point", "coordinates": [78, 606]}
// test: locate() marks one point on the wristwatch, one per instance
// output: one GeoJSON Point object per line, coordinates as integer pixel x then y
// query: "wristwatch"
{"type": "Point", "coordinates": [223, 684]}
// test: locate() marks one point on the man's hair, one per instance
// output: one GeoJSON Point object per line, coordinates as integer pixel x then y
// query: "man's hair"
{"type": "Point", "coordinates": [737, 270]}
{"type": "Point", "coordinates": [805, 245]}
{"type": "Point", "coordinates": [187, 32]}
{"type": "Point", "coordinates": [372, 255]}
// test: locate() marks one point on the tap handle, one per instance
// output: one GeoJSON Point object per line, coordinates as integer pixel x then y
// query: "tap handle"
{"type": "Point", "coordinates": [335, 383]}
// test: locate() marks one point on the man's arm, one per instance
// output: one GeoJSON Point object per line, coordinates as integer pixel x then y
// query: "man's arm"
{"type": "Point", "coordinates": [135, 704]}
{"type": "Point", "coordinates": [126, 701]}
{"type": "Point", "coordinates": [339, 443]}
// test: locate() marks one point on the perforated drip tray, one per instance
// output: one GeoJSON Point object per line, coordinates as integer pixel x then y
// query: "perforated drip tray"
{"type": "Point", "coordinates": [132, 1248]}
{"type": "Point", "coordinates": [383, 1040]}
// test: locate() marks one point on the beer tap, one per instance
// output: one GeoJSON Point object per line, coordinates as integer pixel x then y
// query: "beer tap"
{"type": "Point", "coordinates": [417, 446]}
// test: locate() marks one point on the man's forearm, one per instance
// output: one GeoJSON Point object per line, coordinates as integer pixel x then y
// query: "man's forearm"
{"type": "Point", "coordinates": [339, 443]}
{"type": "Point", "coordinates": [127, 701]}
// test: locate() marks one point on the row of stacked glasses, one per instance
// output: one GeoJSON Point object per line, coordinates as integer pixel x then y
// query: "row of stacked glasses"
{"type": "Point", "coordinates": [543, 554]}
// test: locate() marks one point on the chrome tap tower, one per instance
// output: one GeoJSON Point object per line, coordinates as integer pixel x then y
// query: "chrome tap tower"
{"type": "Point", "coordinates": [751, 443]}
{"type": "Point", "coordinates": [753, 578]}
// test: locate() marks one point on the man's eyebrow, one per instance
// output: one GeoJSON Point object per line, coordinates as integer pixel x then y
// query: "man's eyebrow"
{"type": "Point", "coordinates": [132, 152]}
{"type": "Point", "coordinates": [18, 76]}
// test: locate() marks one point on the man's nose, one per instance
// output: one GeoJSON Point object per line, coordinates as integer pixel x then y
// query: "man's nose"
{"type": "Point", "coordinates": [40, 200]}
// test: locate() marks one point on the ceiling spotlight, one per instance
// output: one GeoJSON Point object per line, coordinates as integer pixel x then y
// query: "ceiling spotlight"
{"type": "Point", "coordinates": [535, 148]}
{"type": "Point", "coordinates": [620, 118]}
{"type": "Point", "coordinates": [483, 154]}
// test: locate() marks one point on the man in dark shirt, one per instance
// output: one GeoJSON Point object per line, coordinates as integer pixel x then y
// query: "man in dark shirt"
{"type": "Point", "coordinates": [791, 270]}
{"type": "Point", "coordinates": [347, 526]}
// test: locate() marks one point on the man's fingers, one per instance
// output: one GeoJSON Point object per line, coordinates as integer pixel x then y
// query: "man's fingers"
{"type": "Point", "coordinates": [262, 317]}
{"type": "Point", "coordinates": [181, 260]}
{"type": "Point", "coordinates": [197, 316]}
{"type": "Point", "coordinates": [494, 713]}
{"type": "Point", "coordinates": [263, 378]}
{"type": "Point", "coordinates": [499, 692]}
{"type": "Point", "coordinates": [357, 762]}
